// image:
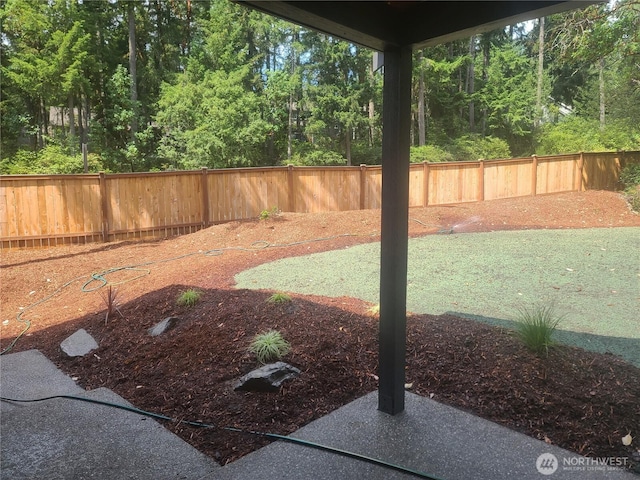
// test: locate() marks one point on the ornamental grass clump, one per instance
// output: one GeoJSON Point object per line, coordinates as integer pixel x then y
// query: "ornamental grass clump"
{"type": "Point", "coordinates": [188, 298]}
{"type": "Point", "coordinates": [536, 327]}
{"type": "Point", "coordinates": [279, 298]}
{"type": "Point", "coordinates": [269, 346]}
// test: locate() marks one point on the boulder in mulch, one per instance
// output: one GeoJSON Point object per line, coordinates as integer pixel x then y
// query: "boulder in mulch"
{"type": "Point", "coordinates": [78, 344]}
{"type": "Point", "coordinates": [267, 378]}
{"type": "Point", "coordinates": [163, 326]}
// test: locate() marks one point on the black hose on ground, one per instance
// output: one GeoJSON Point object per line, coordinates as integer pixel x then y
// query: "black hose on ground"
{"type": "Point", "coordinates": [273, 436]}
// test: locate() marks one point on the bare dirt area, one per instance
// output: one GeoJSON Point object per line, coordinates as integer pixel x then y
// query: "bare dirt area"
{"type": "Point", "coordinates": [583, 401]}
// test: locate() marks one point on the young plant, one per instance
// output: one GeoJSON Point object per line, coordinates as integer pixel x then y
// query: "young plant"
{"type": "Point", "coordinates": [269, 346]}
{"type": "Point", "coordinates": [374, 311]}
{"type": "Point", "coordinates": [279, 298]}
{"type": "Point", "coordinates": [265, 214]}
{"type": "Point", "coordinates": [536, 327]}
{"type": "Point", "coordinates": [110, 300]}
{"type": "Point", "coordinates": [188, 298]}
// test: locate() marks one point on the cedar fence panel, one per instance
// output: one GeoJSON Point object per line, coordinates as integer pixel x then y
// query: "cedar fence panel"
{"type": "Point", "coordinates": [47, 210]}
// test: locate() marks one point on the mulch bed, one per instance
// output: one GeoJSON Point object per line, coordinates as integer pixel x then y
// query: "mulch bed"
{"type": "Point", "coordinates": [582, 401]}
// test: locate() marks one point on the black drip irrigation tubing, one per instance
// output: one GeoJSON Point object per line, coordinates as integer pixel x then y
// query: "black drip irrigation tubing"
{"type": "Point", "coordinates": [102, 281]}
{"type": "Point", "coordinates": [272, 436]}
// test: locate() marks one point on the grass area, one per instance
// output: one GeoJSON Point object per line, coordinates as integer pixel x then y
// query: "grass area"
{"type": "Point", "coordinates": [592, 276]}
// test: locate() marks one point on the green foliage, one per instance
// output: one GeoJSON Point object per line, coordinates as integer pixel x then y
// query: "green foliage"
{"type": "Point", "coordinates": [633, 197]}
{"type": "Point", "coordinates": [630, 175]}
{"type": "Point", "coordinates": [571, 135]}
{"type": "Point", "coordinates": [536, 327]}
{"type": "Point", "coordinates": [188, 298]}
{"type": "Point", "coordinates": [50, 160]}
{"type": "Point", "coordinates": [509, 96]}
{"type": "Point", "coordinates": [476, 147]}
{"type": "Point", "coordinates": [215, 122]}
{"type": "Point", "coordinates": [265, 214]}
{"type": "Point", "coordinates": [220, 85]}
{"type": "Point", "coordinates": [317, 157]}
{"type": "Point", "coordinates": [630, 179]}
{"type": "Point", "coordinates": [279, 298]}
{"type": "Point", "coordinates": [576, 134]}
{"type": "Point", "coordinates": [269, 346]}
{"type": "Point", "coordinates": [466, 148]}
{"type": "Point", "coordinates": [430, 153]}
{"type": "Point", "coordinates": [364, 154]}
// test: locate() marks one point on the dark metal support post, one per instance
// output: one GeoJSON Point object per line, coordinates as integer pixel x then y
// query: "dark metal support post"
{"type": "Point", "coordinates": [396, 124]}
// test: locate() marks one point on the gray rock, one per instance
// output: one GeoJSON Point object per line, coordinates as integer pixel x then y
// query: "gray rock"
{"type": "Point", "coordinates": [163, 326]}
{"type": "Point", "coordinates": [267, 378]}
{"type": "Point", "coordinates": [78, 344]}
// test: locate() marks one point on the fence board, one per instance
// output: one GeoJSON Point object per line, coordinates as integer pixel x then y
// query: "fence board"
{"type": "Point", "coordinates": [556, 174]}
{"type": "Point", "coordinates": [453, 183]}
{"type": "Point", "coordinates": [41, 210]}
{"type": "Point", "coordinates": [507, 178]}
{"type": "Point", "coordinates": [601, 170]}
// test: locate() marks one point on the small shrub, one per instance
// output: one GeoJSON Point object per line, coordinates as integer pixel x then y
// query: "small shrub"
{"type": "Point", "coordinates": [633, 197]}
{"type": "Point", "coordinates": [536, 327]}
{"type": "Point", "coordinates": [269, 346]}
{"type": "Point", "coordinates": [374, 311]}
{"type": "Point", "coordinates": [188, 298]}
{"type": "Point", "coordinates": [630, 175]}
{"type": "Point", "coordinates": [430, 153]}
{"type": "Point", "coordinates": [317, 157]}
{"type": "Point", "coordinates": [630, 179]}
{"type": "Point", "coordinates": [110, 300]}
{"type": "Point", "coordinates": [476, 147]}
{"type": "Point", "coordinates": [279, 298]}
{"type": "Point", "coordinates": [265, 214]}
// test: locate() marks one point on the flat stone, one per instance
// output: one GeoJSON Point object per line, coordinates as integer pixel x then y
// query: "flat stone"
{"type": "Point", "coordinates": [163, 326]}
{"type": "Point", "coordinates": [267, 378]}
{"type": "Point", "coordinates": [78, 344]}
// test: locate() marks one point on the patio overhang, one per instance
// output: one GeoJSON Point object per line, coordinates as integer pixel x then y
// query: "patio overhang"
{"type": "Point", "coordinates": [396, 28]}
{"type": "Point", "coordinates": [380, 24]}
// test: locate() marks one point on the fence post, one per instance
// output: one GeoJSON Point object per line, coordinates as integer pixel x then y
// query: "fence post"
{"type": "Point", "coordinates": [481, 180]}
{"type": "Point", "coordinates": [534, 174]}
{"type": "Point", "coordinates": [425, 183]}
{"type": "Point", "coordinates": [104, 205]}
{"type": "Point", "coordinates": [580, 167]}
{"type": "Point", "coordinates": [363, 185]}
{"type": "Point", "coordinates": [205, 198]}
{"type": "Point", "coordinates": [292, 195]}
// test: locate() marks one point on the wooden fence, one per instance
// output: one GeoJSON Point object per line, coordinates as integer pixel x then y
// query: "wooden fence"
{"type": "Point", "coordinates": [47, 210]}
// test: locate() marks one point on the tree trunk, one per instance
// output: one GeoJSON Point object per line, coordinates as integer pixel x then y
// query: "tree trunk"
{"type": "Point", "coordinates": [72, 126]}
{"type": "Point", "coordinates": [538, 119]}
{"type": "Point", "coordinates": [290, 126]}
{"type": "Point", "coordinates": [81, 124]}
{"type": "Point", "coordinates": [422, 137]}
{"type": "Point", "coordinates": [471, 82]}
{"type": "Point", "coordinates": [602, 95]}
{"type": "Point", "coordinates": [295, 39]}
{"type": "Point", "coordinates": [372, 112]}
{"type": "Point", "coordinates": [486, 52]}
{"type": "Point", "coordinates": [133, 68]}
{"type": "Point", "coordinates": [348, 145]}
{"type": "Point", "coordinates": [87, 117]}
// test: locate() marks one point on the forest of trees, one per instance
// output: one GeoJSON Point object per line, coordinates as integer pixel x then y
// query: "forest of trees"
{"type": "Point", "coordinates": [180, 84]}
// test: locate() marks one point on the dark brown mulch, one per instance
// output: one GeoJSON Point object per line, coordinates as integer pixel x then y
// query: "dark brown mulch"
{"type": "Point", "coordinates": [582, 401]}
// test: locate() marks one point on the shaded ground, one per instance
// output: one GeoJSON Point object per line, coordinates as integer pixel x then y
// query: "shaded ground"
{"type": "Point", "coordinates": [582, 401]}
